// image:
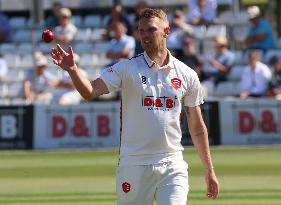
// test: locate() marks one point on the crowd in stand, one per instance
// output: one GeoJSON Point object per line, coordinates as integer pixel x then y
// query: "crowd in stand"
{"type": "Point", "coordinates": [187, 40]}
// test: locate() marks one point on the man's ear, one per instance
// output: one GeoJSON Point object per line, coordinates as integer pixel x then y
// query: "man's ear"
{"type": "Point", "coordinates": [167, 31]}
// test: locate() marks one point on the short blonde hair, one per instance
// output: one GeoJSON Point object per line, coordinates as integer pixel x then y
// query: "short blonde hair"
{"type": "Point", "coordinates": [148, 13]}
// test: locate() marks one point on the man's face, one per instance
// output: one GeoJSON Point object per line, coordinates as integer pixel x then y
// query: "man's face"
{"type": "Point", "coordinates": [151, 32]}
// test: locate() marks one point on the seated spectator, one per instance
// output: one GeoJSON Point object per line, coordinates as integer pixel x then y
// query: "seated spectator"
{"type": "Point", "coordinates": [37, 81]}
{"type": "Point", "coordinates": [117, 15]}
{"type": "Point", "coordinates": [255, 78]}
{"type": "Point", "coordinates": [52, 21]}
{"type": "Point", "coordinates": [122, 46]}
{"type": "Point", "coordinates": [189, 56]}
{"type": "Point", "coordinates": [274, 86]}
{"type": "Point", "coordinates": [140, 5]}
{"type": "Point", "coordinates": [260, 35]}
{"type": "Point", "coordinates": [65, 32]}
{"type": "Point", "coordinates": [65, 92]}
{"type": "Point", "coordinates": [4, 28]}
{"type": "Point", "coordinates": [178, 29]}
{"type": "Point", "coordinates": [218, 67]}
{"type": "Point", "coordinates": [3, 68]}
{"type": "Point", "coordinates": [201, 12]}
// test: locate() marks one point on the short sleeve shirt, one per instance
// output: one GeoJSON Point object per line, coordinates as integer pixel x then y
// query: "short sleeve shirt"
{"type": "Point", "coordinates": [265, 28]}
{"type": "Point", "coordinates": [151, 106]}
{"type": "Point", "coordinates": [38, 83]}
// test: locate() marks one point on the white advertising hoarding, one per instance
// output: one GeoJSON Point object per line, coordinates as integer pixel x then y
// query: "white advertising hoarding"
{"type": "Point", "coordinates": [253, 121]}
{"type": "Point", "coordinates": [88, 125]}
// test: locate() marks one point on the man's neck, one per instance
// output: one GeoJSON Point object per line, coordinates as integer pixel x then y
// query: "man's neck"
{"type": "Point", "coordinates": [161, 58]}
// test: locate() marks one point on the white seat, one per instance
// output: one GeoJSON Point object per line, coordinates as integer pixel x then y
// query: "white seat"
{"type": "Point", "coordinates": [3, 90]}
{"type": "Point", "coordinates": [271, 53]}
{"type": "Point", "coordinates": [102, 60]}
{"type": "Point", "coordinates": [14, 75]}
{"type": "Point", "coordinates": [93, 73]}
{"type": "Point", "coordinates": [227, 88]}
{"type": "Point", "coordinates": [101, 46]}
{"type": "Point", "coordinates": [83, 47]}
{"type": "Point", "coordinates": [92, 21]}
{"type": "Point", "coordinates": [27, 61]}
{"type": "Point", "coordinates": [236, 73]}
{"type": "Point", "coordinates": [199, 32]}
{"type": "Point", "coordinates": [88, 60]}
{"type": "Point", "coordinates": [17, 22]}
{"type": "Point", "coordinates": [18, 101]}
{"type": "Point", "coordinates": [97, 34]}
{"type": "Point", "coordinates": [14, 89]}
{"type": "Point", "coordinates": [24, 48]}
{"type": "Point", "coordinates": [104, 21]}
{"type": "Point", "coordinates": [12, 60]}
{"type": "Point", "coordinates": [4, 101]}
{"type": "Point", "coordinates": [22, 36]}
{"type": "Point", "coordinates": [44, 47]}
{"type": "Point", "coordinates": [238, 56]}
{"type": "Point", "coordinates": [215, 30]}
{"type": "Point", "coordinates": [7, 48]}
{"type": "Point", "coordinates": [83, 35]}
{"type": "Point", "coordinates": [240, 31]}
{"type": "Point", "coordinates": [77, 20]}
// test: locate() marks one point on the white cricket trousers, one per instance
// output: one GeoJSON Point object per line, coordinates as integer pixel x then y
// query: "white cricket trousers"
{"type": "Point", "coordinates": [141, 184]}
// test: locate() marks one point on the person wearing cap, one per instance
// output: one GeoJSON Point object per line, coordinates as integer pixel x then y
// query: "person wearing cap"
{"type": "Point", "coordinates": [218, 67]}
{"type": "Point", "coordinates": [201, 12]}
{"type": "Point", "coordinates": [260, 35]}
{"type": "Point", "coordinates": [65, 92]}
{"type": "Point", "coordinates": [65, 32]}
{"type": "Point", "coordinates": [53, 20]}
{"type": "Point", "coordinates": [179, 28]}
{"type": "Point", "coordinates": [37, 81]}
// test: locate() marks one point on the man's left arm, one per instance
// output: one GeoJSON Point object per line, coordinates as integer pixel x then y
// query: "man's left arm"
{"type": "Point", "coordinates": [199, 135]}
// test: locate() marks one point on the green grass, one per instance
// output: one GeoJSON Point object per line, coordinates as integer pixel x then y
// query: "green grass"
{"type": "Point", "coordinates": [248, 176]}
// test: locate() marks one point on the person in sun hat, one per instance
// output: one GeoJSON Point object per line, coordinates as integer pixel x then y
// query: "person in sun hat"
{"type": "Point", "coordinates": [218, 66]}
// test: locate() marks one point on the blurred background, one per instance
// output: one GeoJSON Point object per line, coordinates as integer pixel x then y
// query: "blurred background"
{"type": "Point", "coordinates": [58, 149]}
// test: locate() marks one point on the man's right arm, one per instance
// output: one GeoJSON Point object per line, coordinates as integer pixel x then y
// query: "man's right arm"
{"type": "Point", "coordinates": [88, 90]}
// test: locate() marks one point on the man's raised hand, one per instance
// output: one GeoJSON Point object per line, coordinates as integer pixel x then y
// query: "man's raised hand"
{"type": "Point", "coordinates": [63, 59]}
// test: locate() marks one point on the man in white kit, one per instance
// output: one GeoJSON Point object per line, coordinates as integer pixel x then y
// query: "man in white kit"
{"type": "Point", "coordinates": [154, 85]}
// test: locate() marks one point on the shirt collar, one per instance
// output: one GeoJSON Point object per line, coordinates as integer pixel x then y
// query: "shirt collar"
{"type": "Point", "coordinates": [152, 64]}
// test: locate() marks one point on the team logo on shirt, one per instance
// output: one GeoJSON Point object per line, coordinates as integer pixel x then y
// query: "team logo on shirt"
{"type": "Point", "coordinates": [126, 187]}
{"type": "Point", "coordinates": [159, 103]}
{"type": "Point", "coordinates": [176, 83]}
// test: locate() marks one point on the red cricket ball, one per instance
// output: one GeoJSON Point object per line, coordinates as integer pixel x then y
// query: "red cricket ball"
{"type": "Point", "coordinates": [47, 36]}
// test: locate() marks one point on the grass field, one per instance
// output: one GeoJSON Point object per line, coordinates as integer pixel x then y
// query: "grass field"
{"type": "Point", "coordinates": [248, 176]}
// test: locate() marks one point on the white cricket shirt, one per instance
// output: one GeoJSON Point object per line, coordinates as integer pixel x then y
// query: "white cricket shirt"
{"type": "Point", "coordinates": [150, 107]}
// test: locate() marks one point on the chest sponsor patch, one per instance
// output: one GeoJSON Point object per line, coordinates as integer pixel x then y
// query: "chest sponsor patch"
{"type": "Point", "coordinates": [176, 83]}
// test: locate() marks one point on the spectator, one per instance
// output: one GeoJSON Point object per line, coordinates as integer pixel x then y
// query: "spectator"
{"type": "Point", "coordinates": [117, 14]}
{"type": "Point", "coordinates": [255, 78]}
{"type": "Point", "coordinates": [140, 5]}
{"type": "Point", "coordinates": [201, 12]}
{"type": "Point", "coordinates": [189, 56]}
{"type": "Point", "coordinates": [218, 67]}
{"type": "Point", "coordinates": [122, 46]}
{"type": "Point", "coordinates": [260, 35]}
{"type": "Point", "coordinates": [3, 68]}
{"type": "Point", "coordinates": [178, 29]}
{"type": "Point", "coordinates": [274, 86]}
{"type": "Point", "coordinates": [65, 93]}
{"type": "Point", "coordinates": [4, 28]}
{"type": "Point", "coordinates": [37, 81]}
{"type": "Point", "coordinates": [65, 32]}
{"type": "Point", "coordinates": [53, 20]}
